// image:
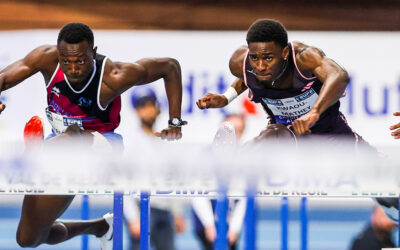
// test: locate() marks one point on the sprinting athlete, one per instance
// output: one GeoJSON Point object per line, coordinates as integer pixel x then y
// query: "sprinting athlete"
{"type": "Point", "coordinates": [83, 94]}
{"type": "Point", "coordinates": [296, 84]}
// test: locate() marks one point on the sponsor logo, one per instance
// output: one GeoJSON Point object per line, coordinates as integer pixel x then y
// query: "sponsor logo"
{"type": "Point", "coordinates": [305, 95]}
{"type": "Point", "coordinates": [272, 102]}
{"type": "Point", "coordinates": [68, 121]}
{"type": "Point", "coordinates": [55, 91]}
{"type": "Point", "coordinates": [83, 102]}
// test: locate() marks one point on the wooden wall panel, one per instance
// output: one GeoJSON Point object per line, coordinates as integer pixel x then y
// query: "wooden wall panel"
{"type": "Point", "coordinates": [360, 15]}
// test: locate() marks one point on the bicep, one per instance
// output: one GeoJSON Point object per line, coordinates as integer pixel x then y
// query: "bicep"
{"type": "Point", "coordinates": [314, 60]}
{"type": "Point", "coordinates": [146, 70]}
{"type": "Point", "coordinates": [328, 68]}
{"type": "Point", "coordinates": [122, 76]}
{"type": "Point", "coordinates": [157, 68]}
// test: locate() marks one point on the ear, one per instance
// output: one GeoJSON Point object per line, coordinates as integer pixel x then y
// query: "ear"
{"type": "Point", "coordinates": [285, 52]}
{"type": "Point", "coordinates": [95, 50]}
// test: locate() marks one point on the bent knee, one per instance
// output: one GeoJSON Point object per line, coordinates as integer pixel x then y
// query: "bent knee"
{"type": "Point", "coordinates": [276, 131]}
{"type": "Point", "coordinates": [25, 239]}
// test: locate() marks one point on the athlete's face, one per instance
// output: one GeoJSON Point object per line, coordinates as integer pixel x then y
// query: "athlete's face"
{"type": "Point", "coordinates": [267, 60]}
{"type": "Point", "coordinates": [76, 60]}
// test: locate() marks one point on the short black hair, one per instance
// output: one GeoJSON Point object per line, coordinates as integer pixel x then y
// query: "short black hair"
{"type": "Point", "coordinates": [267, 30]}
{"type": "Point", "coordinates": [76, 33]}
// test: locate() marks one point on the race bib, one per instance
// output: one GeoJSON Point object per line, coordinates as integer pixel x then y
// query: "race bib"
{"type": "Point", "coordinates": [289, 109]}
{"type": "Point", "coordinates": [61, 122]}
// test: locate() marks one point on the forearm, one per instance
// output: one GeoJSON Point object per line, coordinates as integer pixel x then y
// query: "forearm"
{"type": "Point", "coordinates": [173, 88]}
{"type": "Point", "coordinates": [14, 74]}
{"type": "Point", "coordinates": [148, 70]}
{"type": "Point", "coordinates": [331, 91]}
{"type": "Point", "coordinates": [4, 84]}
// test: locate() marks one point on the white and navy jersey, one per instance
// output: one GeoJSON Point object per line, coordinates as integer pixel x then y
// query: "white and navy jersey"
{"type": "Point", "coordinates": [285, 106]}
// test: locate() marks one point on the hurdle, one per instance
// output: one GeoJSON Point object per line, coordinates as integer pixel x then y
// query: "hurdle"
{"type": "Point", "coordinates": [359, 176]}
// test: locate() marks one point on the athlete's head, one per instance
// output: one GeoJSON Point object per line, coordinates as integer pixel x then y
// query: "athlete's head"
{"type": "Point", "coordinates": [76, 51]}
{"type": "Point", "coordinates": [268, 51]}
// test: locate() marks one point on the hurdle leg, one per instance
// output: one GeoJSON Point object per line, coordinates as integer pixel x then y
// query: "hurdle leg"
{"type": "Point", "coordinates": [117, 223]}
{"type": "Point", "coordinates": [221, 243]}
{"type": "Point", "coordinates": [398, 228]}
{"type": "Point", "coordinates": [250, 221]}
{"type": "Point", "coordinates": [284, 223]}
{"type": "Point", "coordinates": [144, 221]}
{"type": "Point", "coordinates": [85, 216]}
{"type": "Point", "coordinates": [304, 223]}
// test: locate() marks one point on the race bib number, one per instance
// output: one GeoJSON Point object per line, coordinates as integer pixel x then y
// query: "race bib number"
{"type": "Point", "coordinates": [61, 122]}
{"type": "Point", "coordinates": [289, 109]}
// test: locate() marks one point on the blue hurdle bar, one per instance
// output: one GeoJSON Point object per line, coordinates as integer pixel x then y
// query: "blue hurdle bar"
{"type": "Point", "coordinates": [85, 216]}
{"type": "Point", "coordinates": [304, 223]}
{"type": "Point", "coordinates": [221, 243]}
{"type": "Point", "coordinates": [144, 221]}
{"type": "Point", "coordinates": [117, 223]}
{"type": "Point", "coordinates": [250, 221]}
{"type": "Point", "coordinates": [284, 223]}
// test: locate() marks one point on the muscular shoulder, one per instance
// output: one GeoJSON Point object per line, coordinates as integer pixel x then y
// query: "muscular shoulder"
{"type": "Point", "coordinates": [119, 76]}
{"type": "Point", "coordinates": [236, 61]}
{"type": "Point", "coordinates": [114, 70]}
{"type": "Point", "coordinates": [307, 57]}
{"type": "Point", "coordinates": [43, 58]}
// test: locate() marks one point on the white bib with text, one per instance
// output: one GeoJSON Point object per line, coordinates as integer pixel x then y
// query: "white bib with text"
{"type": "Point", "coordinates": [289, 109]}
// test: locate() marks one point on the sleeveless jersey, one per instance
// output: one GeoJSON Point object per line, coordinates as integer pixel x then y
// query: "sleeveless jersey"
{"type": "Point", "coordinates": [82, 107]}
{"type": "Point", "coordinates": [285, 106]}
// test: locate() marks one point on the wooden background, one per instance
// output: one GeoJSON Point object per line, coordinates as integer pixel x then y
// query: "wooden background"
{"type": "Point", "coordinates": [366, 15]}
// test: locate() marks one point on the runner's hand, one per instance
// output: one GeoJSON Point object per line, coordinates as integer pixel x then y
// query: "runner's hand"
{"type": "Point", "coordinates": [212, 101]}
{"type": "Point", "coordinates": [303, 124]}
{"type": "Point", "coordinates": [170, 133]}
{"type": "Point", "coordinates": [2, 105]}
{"type": "Point", "coordinates": [396, 128]}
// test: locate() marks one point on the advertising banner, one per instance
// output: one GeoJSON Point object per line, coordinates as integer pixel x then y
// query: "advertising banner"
{"type": "Point", "coordinates": [369, 57]}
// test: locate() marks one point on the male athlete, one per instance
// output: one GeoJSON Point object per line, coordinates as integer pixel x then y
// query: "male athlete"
{"type": "Point", "coordinates": [296, 84]}
{"type": "Point", "coordinates": [83, 92]}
